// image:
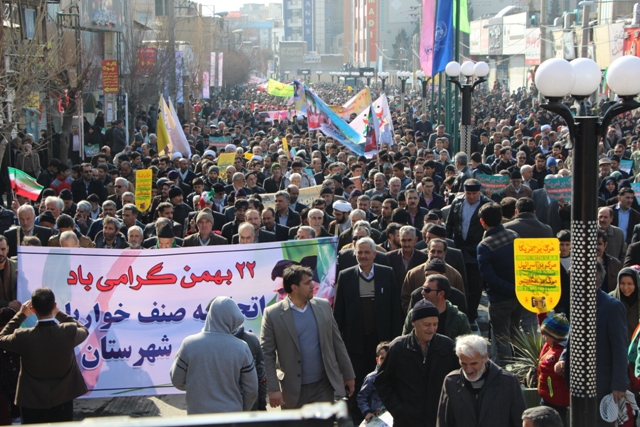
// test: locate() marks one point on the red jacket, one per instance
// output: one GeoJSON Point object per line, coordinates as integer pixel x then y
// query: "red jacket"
{"type": "Point", "coordinates": [551, 386]}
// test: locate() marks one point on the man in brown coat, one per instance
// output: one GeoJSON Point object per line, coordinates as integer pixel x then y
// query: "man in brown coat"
{"type": "Point", "coordinates": [416, 277]}
{"type": "Point", "coordinates": [49, 375]}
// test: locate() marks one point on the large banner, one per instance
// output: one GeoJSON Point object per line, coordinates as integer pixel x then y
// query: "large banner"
{"type": "Point", "coordinates": [355, 105]}
{"type": "Point", "coordinates": [140, 305]}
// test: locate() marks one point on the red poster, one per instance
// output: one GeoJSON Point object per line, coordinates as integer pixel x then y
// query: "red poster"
{"type": "Point", "coordinates": [146, 60]}
{"type": "Point", "coordinates": [110, 76]}
{"type": "Point", "coordinates": [372, 27]}
{"type": "Point", "coordinates": [631, 43]}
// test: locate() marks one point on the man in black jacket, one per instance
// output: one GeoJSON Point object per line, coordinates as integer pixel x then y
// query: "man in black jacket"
{"type": "Point", "coordinates": [367, 311]}
{"type": "Point", "coordinates": [86, 185]}
{"type": "Point", "coordinates": [463, 226]}
{"type": "Point", "coordinates": [410, 379]}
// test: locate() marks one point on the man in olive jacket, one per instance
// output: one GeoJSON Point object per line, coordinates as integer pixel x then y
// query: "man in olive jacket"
{"type": "Point", "coordinates": [49, 375]}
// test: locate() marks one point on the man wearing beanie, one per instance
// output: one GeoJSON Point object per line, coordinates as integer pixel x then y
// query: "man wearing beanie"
{"type": "Point", "coordinates": [205, 235]}
{"type": "Point", "coordinates": [180, 209]}
{"type": "Point", "coordinates": [410, 379]}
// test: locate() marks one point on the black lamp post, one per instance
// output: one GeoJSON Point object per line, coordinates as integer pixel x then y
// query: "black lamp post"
{"type": "Point", "coordinates": [555, 79]}
{"type": "Point", "coordinates": [424, 81]}
{"type": "Point", "coordinates": [383, 75]}
{"type": "Point", "coordinates": [468, 69]}
{"type": "Point", "coordinates": [403, 76]}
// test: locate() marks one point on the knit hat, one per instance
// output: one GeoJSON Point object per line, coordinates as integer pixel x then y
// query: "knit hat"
{"type": "Point", "coordinates": [175, 191]}
{"type": "Point", "coordinates": [326, 190]}
{"type": "Point", "coordinates": [204, 214]}
{"type": "Point", "coordinates": [436, 264]}
{"type": "Point", "coordinates": [173, 174]}
{"type": "Point", "coordinates": [551, 161]}
{"type": "Point", "coordinates": [165, 231]}
{"type": "Point", "coordinates": [46, 216]}
{"type": "Point", "coordinates": [66, 194]}
{"type": "Point", "coordinates": [422, 309]}
{"type": "Point", "coordinates": [555, 326]}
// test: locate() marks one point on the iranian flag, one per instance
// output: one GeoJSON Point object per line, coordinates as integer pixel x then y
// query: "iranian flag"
{"type": "Point", "coordinates": [24, 185]}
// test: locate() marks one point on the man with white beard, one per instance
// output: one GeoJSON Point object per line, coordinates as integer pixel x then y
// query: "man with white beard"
{"type": "Point", "coordinates": [472, 395]}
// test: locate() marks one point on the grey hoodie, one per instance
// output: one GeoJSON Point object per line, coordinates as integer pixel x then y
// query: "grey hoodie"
{"type": "Point", "coordinates": [215, 368]}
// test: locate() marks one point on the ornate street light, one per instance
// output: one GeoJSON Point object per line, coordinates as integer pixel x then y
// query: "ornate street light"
{"type": "Point", "coordinates": [319, 73]}
{"type": "Point", "coordinates": [383, 75]}
{"type": "Point", "coordinates": [424, 81]}
{"type": "Point", "coordinates": [555, 79]}
{"type": "Point", "coordinates": [368, 75]}
{"type": "Point", "coordinates": [468, 69]}
{"type": "Point", "coordinates": [403, 76]}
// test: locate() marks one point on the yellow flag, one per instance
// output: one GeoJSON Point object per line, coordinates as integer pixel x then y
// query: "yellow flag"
{"type": "Point", "coordinates": [161, 129]}
{"type": "Point", "coordinates": [285, 145]}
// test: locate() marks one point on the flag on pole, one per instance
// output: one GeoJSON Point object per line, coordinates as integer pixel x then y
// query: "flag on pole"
{"type": "Point", "coordinates": [372, 133]}
{"type": "Point", "coordinates": [205, 197]}
{"type": "Point", "coordinates": [24, 184]}
{"type": "Point", "coordinates": [382, 118]}
{"type": "Point", "coordinates": [443, 38]}
{"type": "Point", "coordinates": [163, 137]}
{"type": "Point", "coordinates": [427, 35]}
{"type": "Point", "coordinates": [465, 27]}
{"type": "Point", "coordinates": [179, 139]}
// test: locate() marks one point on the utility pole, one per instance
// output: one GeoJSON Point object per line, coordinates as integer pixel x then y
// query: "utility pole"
{"type": "Point", "coordinates": [543, 30]}
{"type": "Point", "coordinates": [171, 18]}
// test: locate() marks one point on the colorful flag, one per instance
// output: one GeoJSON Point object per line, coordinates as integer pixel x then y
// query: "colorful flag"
{"type": "Point", "coordinates": [356, 105]}
{"type": "Point", "coordinates": [321, 117]}
{"type": "Point", "coordinates": [163, 137]}
{"type": "Point", "coordinates": [24, 184]}
{"type": "Point", "coordinates": [277, 88]}
{"type": "Point", "coordinates": [465, 27]}
{"type": "Point", "coordinates": [205, 198]}
{"type": "Point", "coordinates": [426, 37]}
{"type": "Point", "coordinates": [372, 133]}
{"type": "Point", "coordinates": [443, 37]}
{"type": "Point", "coordinates": [382, 118]}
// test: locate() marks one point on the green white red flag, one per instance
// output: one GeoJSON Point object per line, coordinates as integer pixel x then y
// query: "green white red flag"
{"type": "Point", "coordinates": [24, 185]}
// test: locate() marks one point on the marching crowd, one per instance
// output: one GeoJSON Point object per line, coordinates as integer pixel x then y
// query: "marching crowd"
{"type": "Point", "coordinates": [419, 242]}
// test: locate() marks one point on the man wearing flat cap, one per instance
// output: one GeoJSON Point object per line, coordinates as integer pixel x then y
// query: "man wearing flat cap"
{"type": "Point", "coordinates": [515, 188]}
{"type": "Point", "coordinates": [409, 382]}
{"type": "Point", "coordinates": [463, 226]}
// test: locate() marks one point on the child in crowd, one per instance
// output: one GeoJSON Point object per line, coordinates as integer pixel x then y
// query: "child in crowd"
{"type": "Point", "coordinates": [368, 400]}
{"type": "Point", "coordinates": [552, 387]}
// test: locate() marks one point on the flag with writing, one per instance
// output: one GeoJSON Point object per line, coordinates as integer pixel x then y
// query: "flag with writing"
{"type": "Point", "coordinates": [427, 35]}
{"type": "Point", "coordinates": [24, 185]}
{"type": "Point", "coordinates": [277, 88]}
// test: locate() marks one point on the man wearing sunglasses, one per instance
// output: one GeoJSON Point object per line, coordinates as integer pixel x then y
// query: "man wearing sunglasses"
{"type": "Point", "coordinates": [438, 291]}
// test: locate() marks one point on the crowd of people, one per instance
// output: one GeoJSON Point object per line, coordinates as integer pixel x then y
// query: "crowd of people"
{"type": "Point", "coordinates": [419, 239]}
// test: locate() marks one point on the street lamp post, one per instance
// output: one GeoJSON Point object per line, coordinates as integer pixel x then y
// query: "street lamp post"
{"type": "Point", "coordinates": [383, 75]}
{"type": "Point", "coordinates": [368, 75]}
{"type": "Point", "coordinates": [555, 79]}
{"type": "Point", "coordinates": [403, 76]}
{"type": "Point", "coordinates": [286, 73]}
{"type": "Point", "coordinates": [468, 70]}
{"type": "Point", "coordinates": [355, 75]}
{"type": "Point", "coordinates": [424, 81]}
{"type": "Point", "coordinates": [319, 73]}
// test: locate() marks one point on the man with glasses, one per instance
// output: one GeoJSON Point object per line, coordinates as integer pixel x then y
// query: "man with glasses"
{"type": "Point", "coordinates": [438, 290]}
{"type": "Point", "coordinates": [85, 185]}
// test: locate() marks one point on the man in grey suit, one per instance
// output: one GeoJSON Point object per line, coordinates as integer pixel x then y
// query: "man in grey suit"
{"type": "Point", "coordinates": [301, 334]}
{"type": "Point", "coordinates": [551, 212]}
{"type": "Point", "coordinates": [616, 246]}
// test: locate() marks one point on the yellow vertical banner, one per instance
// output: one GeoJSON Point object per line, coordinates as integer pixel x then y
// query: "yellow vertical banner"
{"type": "Point", "coordinates": [285, 145]}
{"type": "Point", "coordinates": [225, 160]}
{"type": "Point", "coordinates": [537, 267]}
{"type": "Point", "coordinates": [144, 178]}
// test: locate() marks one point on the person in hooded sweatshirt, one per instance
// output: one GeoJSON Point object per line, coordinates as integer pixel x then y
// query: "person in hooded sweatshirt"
{"type": "Point", "coordinates": [215, 368]}
{"type": "Point", "coordinates": [627, 292]}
